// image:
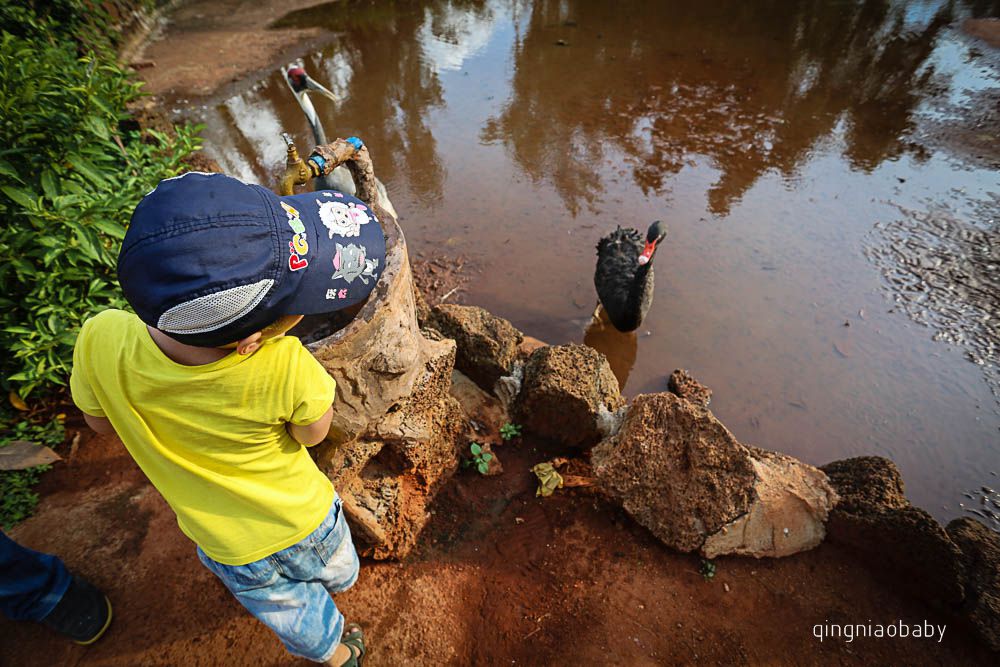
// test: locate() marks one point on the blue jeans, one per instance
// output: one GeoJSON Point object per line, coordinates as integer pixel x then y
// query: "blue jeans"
{"type": "Point", "coordinates": [289, 591]}
{"type": "Point", "coordinates": [31, 583]}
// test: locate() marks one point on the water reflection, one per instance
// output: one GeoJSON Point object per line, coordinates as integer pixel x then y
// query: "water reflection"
{"type": "Point", "coordinates": [383, 63]}
{"type": "Point", "coordinates": [665, 83]}
{"type": "Point", "coordinates": [619, 347]}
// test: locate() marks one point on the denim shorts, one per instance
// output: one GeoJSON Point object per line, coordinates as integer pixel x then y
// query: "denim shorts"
{"type": "Point", "coordinates": [289, 591]}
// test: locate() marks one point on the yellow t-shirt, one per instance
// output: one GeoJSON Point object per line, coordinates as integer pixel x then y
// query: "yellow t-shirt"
{"type": "Point", "coordinates": [212, 438]}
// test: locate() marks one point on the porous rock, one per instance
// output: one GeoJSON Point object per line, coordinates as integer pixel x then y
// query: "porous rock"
{"type": "Point", "coordinates": [905, 542]}
{"type": "Point", "coordinates": [980, 549]}
{"type": "Point", "coordinates": [487, 344]}
{"type": "Point", "coordinates": [867, 482]}
{"type": "Point", "coordinates": [529, 345]}
{"type": "Point", "coordinates": [680, 473]}
{"type": "Point", "coordinates": [682, 384]}
{"type": "Point", "coordinates": [484, 413]}
{"type": "Point", "coordinates": [564, 392]}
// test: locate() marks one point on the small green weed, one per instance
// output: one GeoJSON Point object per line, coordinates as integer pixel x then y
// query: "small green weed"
{"type": "Point", "coordinates": [481, 459]}
{"type": "Point", "coordinates": [510, 431]}
{"type": "Point", "coordinates": [707, 569]}
{"type": "Point", "coordinates": [17, 498]}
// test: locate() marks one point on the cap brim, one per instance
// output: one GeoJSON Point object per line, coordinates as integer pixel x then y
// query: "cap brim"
{"type": "Point", "coordinates": [334, 251]}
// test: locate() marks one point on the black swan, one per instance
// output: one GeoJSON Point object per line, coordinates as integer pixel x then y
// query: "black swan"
{"type": "Point", "coordinates": [624, 275]}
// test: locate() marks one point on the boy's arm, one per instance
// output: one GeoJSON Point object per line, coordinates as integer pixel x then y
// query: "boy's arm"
{"type": "Point", "coordinates": [81, 389]}
{"type": "Point", "coordinates": [100, 424]}
{"type": "Point", "coordinates": [309, 434]}
{"type": "Point", "coordinates": [313, 391]}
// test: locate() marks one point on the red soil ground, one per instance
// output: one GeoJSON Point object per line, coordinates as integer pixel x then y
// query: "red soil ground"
{"type": "Point", "coordinates": [501, 577]}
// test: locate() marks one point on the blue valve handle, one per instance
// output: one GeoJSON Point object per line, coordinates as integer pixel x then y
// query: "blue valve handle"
{"type": "Point", "coordinates": [324, 159]}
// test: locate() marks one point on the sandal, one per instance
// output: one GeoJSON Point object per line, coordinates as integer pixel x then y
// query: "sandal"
{"type": "Point", "coordinates": [354, 639]}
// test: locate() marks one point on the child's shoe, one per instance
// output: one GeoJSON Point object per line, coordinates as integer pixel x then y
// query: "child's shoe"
{"type": "Point", "coordinates": [83, 613]}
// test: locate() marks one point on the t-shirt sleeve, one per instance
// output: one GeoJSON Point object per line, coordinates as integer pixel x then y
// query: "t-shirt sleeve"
{"type": "Point", "coordinates": [314, 389]}
{"type": "Point", "coordinates": [79, 379]}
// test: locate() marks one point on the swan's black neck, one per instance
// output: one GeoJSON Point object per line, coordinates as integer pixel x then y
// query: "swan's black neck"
{"type": "Point", "coordinates": [637, 291]}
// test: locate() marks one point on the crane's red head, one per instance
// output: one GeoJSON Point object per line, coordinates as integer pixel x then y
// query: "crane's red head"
{"type": "Point", "coordinates": [298, 78]}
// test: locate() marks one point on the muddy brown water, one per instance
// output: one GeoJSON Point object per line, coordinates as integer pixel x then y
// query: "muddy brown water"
{"type": "Point", "coordinates": [828, 173]}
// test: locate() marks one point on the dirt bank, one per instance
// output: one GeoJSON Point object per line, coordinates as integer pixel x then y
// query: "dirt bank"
{"type": "Point", "coordinates": [204, 46]}
{"type": "Point", "coordinates": [501, 577]}
{"type": "Point", "coordinates": [987, 30]}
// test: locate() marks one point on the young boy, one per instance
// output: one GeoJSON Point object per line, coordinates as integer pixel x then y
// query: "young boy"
{"type": "Point", "coordinates": [217, 407]}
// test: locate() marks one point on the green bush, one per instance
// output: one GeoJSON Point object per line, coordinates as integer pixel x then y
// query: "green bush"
{"type": "Point", "coordinates": [17, 497]}
{"type": "Point", "coordinates": [69, 179]}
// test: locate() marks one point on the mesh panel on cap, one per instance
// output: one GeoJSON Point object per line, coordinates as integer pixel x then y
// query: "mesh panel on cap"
{"type": "Point", "coordinates": [209, 312]}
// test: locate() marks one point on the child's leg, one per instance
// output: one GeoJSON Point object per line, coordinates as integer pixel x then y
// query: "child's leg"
{"type": "Point", "coordinates": [31, 583]}
{"type": "Point", "coordinates": [301, 613]}
{"type": "Point", "coordinates": [288, 591]}
{"type": "Point", "coordinates": [330, 559]}
{"type": "Point", "coordinates": [336, 548]}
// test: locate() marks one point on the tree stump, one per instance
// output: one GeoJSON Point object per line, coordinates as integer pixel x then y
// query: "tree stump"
{"type": "Point", "coordinates": [395, 429]}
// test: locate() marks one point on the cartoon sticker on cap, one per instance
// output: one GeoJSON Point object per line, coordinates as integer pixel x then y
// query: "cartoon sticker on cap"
{"type": "Point", "coordinates": [298, 247]}
{"type": "Point", "coordinates": [350, 263]}
{"type": "Point", "coordinates": [343, 219]}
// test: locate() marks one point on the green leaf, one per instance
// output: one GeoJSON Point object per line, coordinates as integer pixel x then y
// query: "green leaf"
{"type": "Point", "coordinates": [87, 245]}
{"type": "Point", "coordinates": [87, 170]}
{"type": "Point", "coordinates": [483, 468]}
{"type": "Point", "coordinates": [98, 126]}
{"type": "Point", "coordinates": [487, 458]}
{"type": "Point", "coordinates": [22, 197]}
{"type": "Point", "coordinates": [8, 170]}
{"type": "Point", "coordinates": [476, 449]}
{"type": "Point", "coordinates": [65, 187]}
{"type": "Point", "coordinates": [50, 186]}
{"type": "Point", "coordinates": [110, 228]}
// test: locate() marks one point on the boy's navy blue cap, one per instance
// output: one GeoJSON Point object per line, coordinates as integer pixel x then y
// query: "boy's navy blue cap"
{"type": "Point", "coordinates": [209, 260]}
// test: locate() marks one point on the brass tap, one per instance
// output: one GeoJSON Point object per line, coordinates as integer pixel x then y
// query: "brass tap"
{"type": "Point", "coordinates": [296, 170]}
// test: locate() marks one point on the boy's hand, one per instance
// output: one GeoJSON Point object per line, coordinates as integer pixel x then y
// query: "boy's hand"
{"type": "Point", "coordinates": [311, 434]}
{"type": "Point", "coordinates": [101, 424]}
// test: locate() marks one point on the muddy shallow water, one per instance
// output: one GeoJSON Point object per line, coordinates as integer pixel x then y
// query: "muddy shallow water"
{"type": "Point", "coordinates": [828, 173]}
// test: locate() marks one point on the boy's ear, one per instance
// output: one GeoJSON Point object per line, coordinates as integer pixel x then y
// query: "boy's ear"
{"type": "Point", "coordinates": [249, 344]}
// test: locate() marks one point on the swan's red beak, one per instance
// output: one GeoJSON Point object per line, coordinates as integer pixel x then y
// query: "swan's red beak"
{"type": "Point", "coordinates": [647, 253]}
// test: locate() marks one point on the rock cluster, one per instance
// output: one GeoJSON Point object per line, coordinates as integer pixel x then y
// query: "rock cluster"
{"type": "Point", "coordinates": [677, 470]}
{"type": "Point", "coordinates": [957, 568]}
{"type": "Point", "coordinates": [875, 518]}
{"type": "Point", "coordinates": [408, 403]}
